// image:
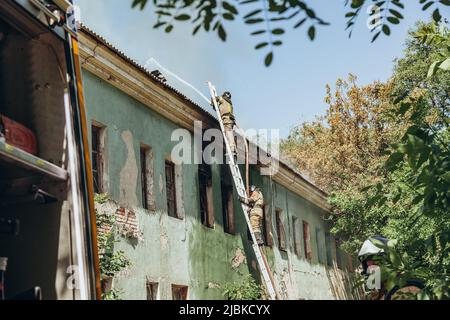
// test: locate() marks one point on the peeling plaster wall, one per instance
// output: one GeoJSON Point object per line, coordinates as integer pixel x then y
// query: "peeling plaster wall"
{"type": "Point", "coordinates": [184, 252]}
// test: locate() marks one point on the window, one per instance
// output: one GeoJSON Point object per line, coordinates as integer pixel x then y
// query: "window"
{"type": "Point", "coordinates": [152, 291]}
{"type": "Point", "coordinates": [179, 292]}
{"type": "Point", "coordinates": [296, 236]}
{"type": "Point", "coordinates": [227, 200]}
{"type": "Point", "coordinates": [307, 240]}
{"type": "Point", "coordinates": [267, 226]}
{"type": "Point", "coordinates": [206, 195]}
{"type": "Point", "coordinates": [281, 231]}
{"type": "Point", "coordinates": [148, 201]}
{"type": "Point", "coordinates": [97, 158]}
{"type": "Point", "coordinates": [227, 208]}
{"type": "Point", "coordinates": [319, 246]}
{"type": "Point", "coordinates": [171, 190]}
{"type": "Point", "coordinates": [338, 254]}
{"type": "Point", "coordinates": [329, 245]}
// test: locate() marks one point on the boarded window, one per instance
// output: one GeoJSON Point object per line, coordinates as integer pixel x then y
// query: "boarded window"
{"type": "Point", "coordinates": [206, 195]}
{"type": "Point", "coordinates": [97, 157]}
{"type": "Point", "coordinates": [281, 231]}
{"type": "Point", "coordinates": [267, 226]}
{"type": "Point", "coordinates": [152, 291]}
{"type": "Point", "coordinates": [296, 236]}
{"type": "Point", "coordinates": [179, 292]}
{"type": "Point", "coordinates": [307, 240]}
{"type": "Point", "coordinates": [330, 249]}
{"type": "Point", "coordinates": [171, 190]}
{"type": "Point", "coordinates": [148, 201]}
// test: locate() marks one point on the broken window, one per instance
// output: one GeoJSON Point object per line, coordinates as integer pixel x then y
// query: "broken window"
{"type": "Point", "coordinates": [296, 236]}
{"type": "Point", "coordinates": [307, 240]}
{"type": "Point", "coordinates": [97, 157]}
{"type": "Point", "coordinates": [281, 230]}
{"type": "Point", "coordinates": [267, 226]}
{"type": "Point", "coordinates": [171, 190]}
{"type": "Point", "coordinates": [206, 195]}
{"type": "Point", "coordinates": [179, 292]}
{"type": "Point", "coordinates": [152, 290]}
{"type": "Point", "coordinates": [148, 201]}
{"type": "Point", "coordinates": [227, 201]}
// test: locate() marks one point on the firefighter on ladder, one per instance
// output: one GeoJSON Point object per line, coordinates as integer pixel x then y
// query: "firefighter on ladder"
{"type": "Point", "coordinates": [256, 204]}
{"type": "Point", "coordinates": [228, 119]}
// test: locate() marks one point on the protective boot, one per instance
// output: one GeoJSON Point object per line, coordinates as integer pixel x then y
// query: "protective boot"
{"type": "Point", "coordinates": [259, 238]}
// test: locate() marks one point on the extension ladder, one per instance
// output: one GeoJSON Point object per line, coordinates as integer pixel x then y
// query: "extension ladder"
{"type": "Point", "coordinates": [241, 190]}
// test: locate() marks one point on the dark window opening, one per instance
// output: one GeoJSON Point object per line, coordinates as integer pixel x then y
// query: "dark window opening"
{"type": "Point", "coordinates": [152, 291]}
{"type": "Point", "coordinates": [227, 200]}
{"type": "Point", "coordinates": [145, 177]}
{"type": "Point", "coordinates": [307, 240]}
{"type": "Point", "coordinates": [281, 231]}
{"type": "Point", "coordinates": [296, 236]}
{"type": "Point", "coordinates": [171, 190]}
{"type": "Point", "coordinates": [228, 208]}
{"type": "Point", "coordinates": [329, 247]}
{"type": "Point", "coordinates": [267, 226]}
{"type": "Point", "coordinates": [97, 158]}
{"type": "Point", "coordinates": [319, 247]}
{"type": "Point", "coordinates": [206, 195]}
{"type": "Point", "coordinates": [179, 292]}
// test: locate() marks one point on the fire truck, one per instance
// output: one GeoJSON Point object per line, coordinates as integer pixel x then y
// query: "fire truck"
{"type": "Point", "coordinates": [48, 246]}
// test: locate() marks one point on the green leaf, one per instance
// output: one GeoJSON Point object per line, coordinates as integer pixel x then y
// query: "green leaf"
{"type": "Point", "coordinates": [312, 33]}
{"type": "Point", "coordinates": [249, 15]}
{"type": "Point", "coordinates": [278, 31]}
{"type": "Point", "coordinates": [183, 17]}
{"type": "Point", "coordinates": [394, 160]}
{"type": "Point", "coordinates": [386, 30]}
{"type": "Point", "coordinates": [269, 59]}
{"type": "Point", "coordinates": [254, 33]}
{"type": "Point", "coordinates": [253, 21]}
{"type": "Point", "coordinates": [261, 45]}
{"type": "Point", "coordinates": [222, 33]}
{"type": "Point", "coordinates": [169, 28]}
{"type": "Point", "coordinates": [301, 22]}
{"type": "Point", "coordinates": [393, 20]}
{"type": "Point", "coordinates": [437, 17]}
{"type": "Point", "coordinates": [230, 7]}
{"type": "Point", "coordinates": [426, 6]}
{"type": "Point", "coordinates": [445, 65]}
{"type": "Point", "coordinates": [433, 68]}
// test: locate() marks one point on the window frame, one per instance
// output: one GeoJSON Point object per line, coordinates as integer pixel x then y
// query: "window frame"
{"type": "Point", "coordinates": [281, 230]}
{"type": "Point", "coordinates": [98, 157]}
{"type": "Point", "coordinates": [184, 294]}
{"type": "Point", "coordinates": [307, 240]}
{"type": "Point", "coordinates": [173, 190]}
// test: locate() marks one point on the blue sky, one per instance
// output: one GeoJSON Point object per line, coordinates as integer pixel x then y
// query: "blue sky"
{"type": "Point", "coordinates": [291, 91]}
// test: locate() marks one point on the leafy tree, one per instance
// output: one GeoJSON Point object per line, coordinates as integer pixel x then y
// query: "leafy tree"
{"type": "Point", "coordinates": [425, 153]}
{"type": "Point", "coordinates": [345, 148]}
{"type": "Point", "coordinates": [397, 184]}
{"type": "Point", "coordinates": [269, 19]}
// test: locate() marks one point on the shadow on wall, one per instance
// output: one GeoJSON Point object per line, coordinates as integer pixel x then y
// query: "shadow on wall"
{"type": "Point", "coordinates": [343, 284]}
